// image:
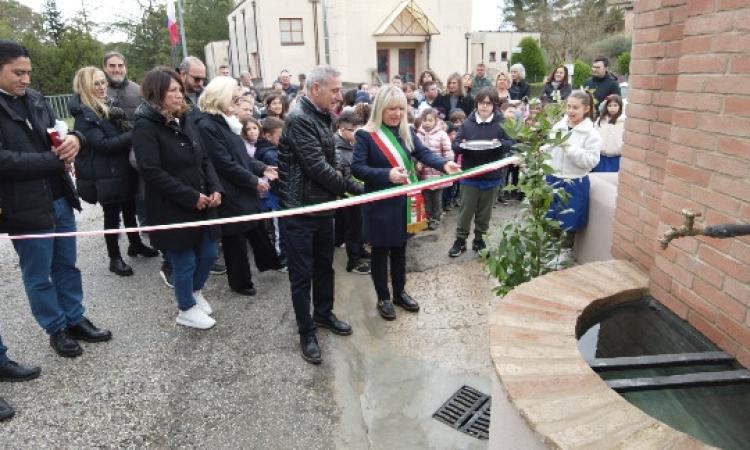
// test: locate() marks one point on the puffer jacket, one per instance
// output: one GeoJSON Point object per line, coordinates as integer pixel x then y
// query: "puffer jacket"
{"type": "Point", "coordinates": [103, 169]}
{"type": "Point", "coordinates": [26, 166]}
{"type": "Point", "coordinates": [307, 158]}
{"type": "Point", "coordinates": [579, 153]}
{"type": "Point", "coordinates": [611, 134]}
{"type": "Point", "coordinates": [438, 141]}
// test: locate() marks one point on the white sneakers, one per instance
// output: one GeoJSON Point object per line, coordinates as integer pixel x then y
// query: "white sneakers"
{"type": "Point", "coordinates": [195, 318]}
{"type": "Point", "coordinates": [198, 315]}
{"type": "Point", "coordinates": [200, 300]}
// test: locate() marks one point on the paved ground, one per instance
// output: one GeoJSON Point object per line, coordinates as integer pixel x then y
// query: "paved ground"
{"type": "Point", "coordinates": [243, 384]}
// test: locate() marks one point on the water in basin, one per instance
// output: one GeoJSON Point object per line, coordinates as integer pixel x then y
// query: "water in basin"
{"type": "Point", "coordinates": [718, 415]}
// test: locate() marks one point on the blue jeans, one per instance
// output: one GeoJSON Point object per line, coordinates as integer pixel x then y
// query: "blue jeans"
{"type": "Point", "coordinates": [3, 351]}
{"type": "Point", "coordinates": [50, 276]}
{"type": "Point", "coordinates": [190, 269]}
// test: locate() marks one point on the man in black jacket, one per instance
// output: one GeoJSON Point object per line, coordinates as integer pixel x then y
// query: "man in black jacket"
{"type": "Point", "coordinates": [602, 80]}
{"type": "Point", "coordinates": [307, 175]}
{"type": "Point", "coordinates": [39, 197]}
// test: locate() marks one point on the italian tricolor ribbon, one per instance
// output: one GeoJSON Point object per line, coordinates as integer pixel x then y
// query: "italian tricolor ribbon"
{"type": "Point", "coordinates": [416, 215]}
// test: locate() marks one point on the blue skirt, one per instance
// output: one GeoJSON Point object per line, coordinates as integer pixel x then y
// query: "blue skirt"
{"type": "Point", "coordinates": [578, 201]}
{"type": "Point", "coordinates": [608, 164]}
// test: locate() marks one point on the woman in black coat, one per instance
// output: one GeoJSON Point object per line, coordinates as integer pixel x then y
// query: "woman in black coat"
{"type": "Point", "coordinates": [180, 186]}
{"type": "Point", "coordinates": [103, 172]}
{"type": "Point", "coordinates": [239, 174]}
{"type": "Point", "coordinates": [385, 221]}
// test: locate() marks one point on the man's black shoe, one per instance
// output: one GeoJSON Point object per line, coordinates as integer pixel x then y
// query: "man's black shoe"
{"type": "Point", "coordinates": [364, 254]}
{"type": "Point", "coordinates": [118, 267]}
{"type": "Point", "coordinates": [459, 246]}
{"type": "Point", "coordinates": [310, 349]}
{"type": "Point", "coordinates": [405, 301]}
{"type": "Point", "coordinates": [65, 345]}
{"type": "Point", "coordinates": [478, 245]}
{"type": "Point", "coordinates": [386, 309]}
{"type": "Point", "coordinates": [142, 250]}
{"type": "Point", "coordinates": [248, 291]}
{"type": "Point", "coordinates": [6, 411]}
{"type": "Point", "coordinates": [87, 332]}
{"type": "Point", "coordinates": [12, 371]}
{"type": "Point", "coordinates": [334, 324]}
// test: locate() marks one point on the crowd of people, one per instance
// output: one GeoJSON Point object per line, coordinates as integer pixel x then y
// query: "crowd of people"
{"type": "Point", "coordinates": [179, 149]}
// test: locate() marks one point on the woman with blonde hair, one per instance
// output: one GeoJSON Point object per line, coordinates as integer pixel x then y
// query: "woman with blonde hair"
{"type": "Point", "coordinates": [241, 177]}
{"type": "Point", "coordinates": [104, 174]}
{"type": "Point", "coordinates": [383, 155]}
{"type": "Point", "coordinates": [502, 86]}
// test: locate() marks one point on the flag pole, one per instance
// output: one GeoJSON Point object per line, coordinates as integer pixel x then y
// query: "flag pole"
{"type": "Point", "coordinates": [180, 8]}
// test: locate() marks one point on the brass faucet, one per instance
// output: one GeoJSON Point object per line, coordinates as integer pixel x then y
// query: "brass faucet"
{"type": "Point", "coordinates": [689, 228]}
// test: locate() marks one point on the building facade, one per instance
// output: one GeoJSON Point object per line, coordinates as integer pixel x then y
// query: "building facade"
{"type": "Point", "coordinates": [368, 41]}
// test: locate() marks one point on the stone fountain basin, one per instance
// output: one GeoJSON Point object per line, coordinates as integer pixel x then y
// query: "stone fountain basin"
{"type": "Point", "coordinates": [562, 401]}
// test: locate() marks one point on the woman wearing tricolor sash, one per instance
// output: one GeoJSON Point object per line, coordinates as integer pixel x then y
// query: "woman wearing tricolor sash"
{"type": "Point", "coordinates": [383, 158]}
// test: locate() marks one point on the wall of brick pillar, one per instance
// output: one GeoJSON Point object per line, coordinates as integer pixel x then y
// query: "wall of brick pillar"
{"type": "Point", "coordinates": [687, 145]}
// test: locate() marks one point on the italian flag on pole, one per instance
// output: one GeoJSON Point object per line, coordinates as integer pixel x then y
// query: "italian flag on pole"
{"type": "Point", "coordinates": [174, 30]}
{"type": "Point", "coordinates": [416, 216]}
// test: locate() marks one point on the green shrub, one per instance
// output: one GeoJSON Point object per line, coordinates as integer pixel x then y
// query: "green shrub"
{"type": "Point", "coordinates": [623, 64]}
{"type": "Point", "coordinates": [581, 73]}
{"type": "Point", "coordinates": [612, 47]}
{"type": "Point", "coordinates": [536, 89]}
{"type": "Point", "coordinates": [530, 241]}
{"type": "Point", "coordinates": [532, 58]}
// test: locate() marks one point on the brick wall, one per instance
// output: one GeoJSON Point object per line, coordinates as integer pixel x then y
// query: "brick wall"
{"type": "Point", "coordinates": [687, 145]}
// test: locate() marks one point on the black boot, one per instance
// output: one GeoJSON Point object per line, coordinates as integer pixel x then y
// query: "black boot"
{"type": "Point", "coordinates": [138, 248]}
{"type": "Point", "coordinates": [6, 411]}
{"type": "Point", "coordinates": [118, 266]}
{"type": "Point", "coordinates": [310, 349]}
{"type": "Point", "coordinates": [65, 345]}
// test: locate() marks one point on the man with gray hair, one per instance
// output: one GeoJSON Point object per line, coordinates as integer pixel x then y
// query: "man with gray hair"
{"type": "Point", "coordinates": [246, 79]}
{"type": "Point", "coordinates": [307, 176]}
{"type": "Point", "coordinates": [193, 74]}
{"type": "Point", "coordinates": [124, 93]}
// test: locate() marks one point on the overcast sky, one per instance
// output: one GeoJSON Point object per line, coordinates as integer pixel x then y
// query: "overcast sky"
{"type": "Point", "coordinates": [485, 12]}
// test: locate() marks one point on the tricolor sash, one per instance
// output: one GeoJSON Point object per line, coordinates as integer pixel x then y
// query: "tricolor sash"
{"type": "Point", "coordinates": [416, 215]}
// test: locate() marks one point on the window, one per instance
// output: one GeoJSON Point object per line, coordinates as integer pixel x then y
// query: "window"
{"type": "Point", "coordinates": [493, 56]}
{"type": "Point", "coordinates": [503, 56]}
{"type": "Point", "coordinates": [291, 31]}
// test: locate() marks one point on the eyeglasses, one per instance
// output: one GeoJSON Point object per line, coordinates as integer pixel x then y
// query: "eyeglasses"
{"type": "Point", "coordinates": [100, 83]}
{"type": "Point", "coordinates": [485, 104]}
{"type": "Point", "coordinates": [198, 79]}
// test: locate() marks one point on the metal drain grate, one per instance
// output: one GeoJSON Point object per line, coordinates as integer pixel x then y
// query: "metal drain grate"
{"type": "Point", "coordinates": [468, 411]}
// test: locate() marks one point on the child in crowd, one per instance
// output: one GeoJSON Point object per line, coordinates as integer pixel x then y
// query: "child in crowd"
{"type": "Point", "coordinates": [436, 139]}
{"type": "Point", "coordinates": [268, 153]}
{"type": "Point", "coordinates": [410, 90]}
{"type": "Point", "coordinates": [349, 220]}
{"type": "Point", "coordinates": [478, 193]}
{"type": "Point", "coordinates": [611, 126]}
{"type": "Point", "coordinates": [451, 194]}
{"type": "Point", "coordinates": [572, 161]}
{"type": "Point", "coordinates": [250, 134]}
{"type": "Point", "coordinates": [457, 117]}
